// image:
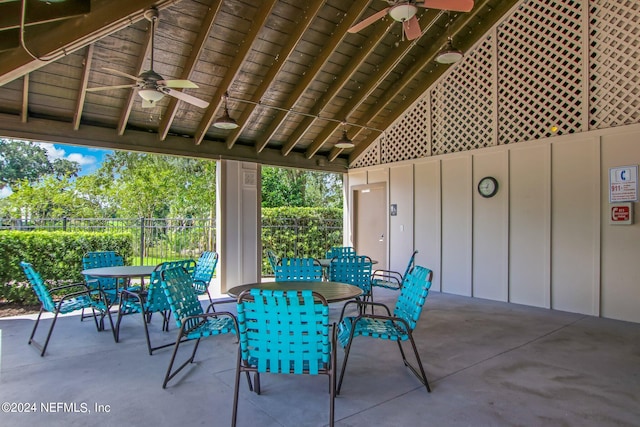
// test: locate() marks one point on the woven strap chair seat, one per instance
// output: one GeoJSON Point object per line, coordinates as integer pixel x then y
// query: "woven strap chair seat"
{"type": "Point", "coordinates": [368, 327]}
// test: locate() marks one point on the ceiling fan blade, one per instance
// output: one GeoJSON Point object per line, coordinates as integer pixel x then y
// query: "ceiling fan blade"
{"type": "Point", "coordinates": [452, 5]}
{"type": "Point", "coordinates": [185, 97]}
{"type": "Point", "coordinates": [412, 28]}
{"type": "Point", "coordinates": [368, 21]}
{"type": "Point", "coordinates": [96, 89]}
{"type": "Point", "coordinates": [120, 73]}
{"type": "Point", "coordinates": [178, 84]}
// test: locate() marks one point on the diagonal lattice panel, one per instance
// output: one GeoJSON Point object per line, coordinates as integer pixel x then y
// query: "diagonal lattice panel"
{"type": "Point", "coordinates": [370, 157]}
{"type": "Point", "coordinates": [409, 138]}
{"type": "Point", "coordinates": [540, 62]}
{"type": "Point", "coordinates": [614, 80]}
{"type": "Point", "coordinates": [462, 104]}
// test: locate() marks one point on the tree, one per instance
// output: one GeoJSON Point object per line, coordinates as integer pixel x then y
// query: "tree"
{"type": "Point", "coordinates": [299, 188]}
{"type": "Point", "coordinates": [22, 160]}
{"type": "Point", "coordinates": [146, 185]}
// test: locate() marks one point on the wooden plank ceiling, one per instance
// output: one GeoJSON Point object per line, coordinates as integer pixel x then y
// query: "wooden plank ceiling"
{"type": "Point", "coordinates": [295, 78]}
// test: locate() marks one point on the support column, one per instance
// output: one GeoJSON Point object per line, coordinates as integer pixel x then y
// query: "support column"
{"type": "Point", "coordinates": [239, 223]}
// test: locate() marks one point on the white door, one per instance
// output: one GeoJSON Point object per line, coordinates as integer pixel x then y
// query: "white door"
{"type": "Point", "coordinates": [370, 222]}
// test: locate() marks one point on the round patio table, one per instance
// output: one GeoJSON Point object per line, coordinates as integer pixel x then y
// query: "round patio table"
{"type": "Point", "coordinates": [331, 291]}
{"type": "Point", "coordinates": [121, 272]}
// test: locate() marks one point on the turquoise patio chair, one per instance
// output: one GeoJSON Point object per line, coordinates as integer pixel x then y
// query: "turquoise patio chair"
{"type": "Point", "coordinates": [298, 270]}
{"type": "Point", "coordinates": [273, 259]}
{"type": "Point", "coordinates": [285, 333]}
{"type": "Point", "coordinates": [109, 286]}
{"type": "Point", "coordinates": [203, 273]}
{"type": "Point", "coordinates": [149, 301]}
{"type": "Point", "coordinates": [69, 302]}
{"type": "Point", "coordinates": [340, 251]}
{"type": "Point", "coordinates": [398, 327]}
{"type": "Point", "coordinates": [194, 323]}
{"type": "Point", "coordinates": [354, 270]}
{"type": "Point", "coordinates": [390, 279]}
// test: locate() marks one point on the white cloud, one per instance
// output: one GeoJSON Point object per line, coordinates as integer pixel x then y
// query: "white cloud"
{"type": "Point", "coordinates": [82, 160]}
{"type": "Point", "coordinates": [54, 153]}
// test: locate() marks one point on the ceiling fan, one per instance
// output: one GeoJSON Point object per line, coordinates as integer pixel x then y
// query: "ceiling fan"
{"type": "Point", "coordinates": [152, 87]}
{"type": "Point", "coordinates": [405, 12]}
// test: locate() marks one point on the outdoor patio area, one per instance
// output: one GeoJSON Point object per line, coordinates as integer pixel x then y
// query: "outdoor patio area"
{"type": "Point", "coordinates": [489, 363]}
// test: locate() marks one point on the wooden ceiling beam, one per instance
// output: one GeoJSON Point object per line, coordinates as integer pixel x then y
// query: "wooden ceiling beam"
{"type": "Point", "coordinates": [345, 75]}
{"type": "Point", "coordinates": [245, 47]}
{"type": "Point", "coordinates": [25, 99]}
{"type": "Point", "coordinates": [82, 89]}
{"type": "Point", "coordinates": [133, 94]}
{"type": "Point", "coordinates": [189, 66]}
{"type": "Point", "coordinates": [356, 9]}
{"type": "Point", "coordinates": [385, 68]}
{"type": "Point", "coordinates": [488, 20]}
{"type": "Point", "coordinates": [40, 12]}
{"type": "Point", "coordinates": [58, 132]}
{"type": "Point", "coordinates": [106, 17]}
{"type": "Point", "coordinates": [283, 56]}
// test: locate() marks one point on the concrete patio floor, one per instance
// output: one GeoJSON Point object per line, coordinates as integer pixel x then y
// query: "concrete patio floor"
{"type": "Point", "coordinates": [489, 364]}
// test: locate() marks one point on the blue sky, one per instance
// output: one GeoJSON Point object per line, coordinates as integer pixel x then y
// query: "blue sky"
{"type": "Point", "coordinates": [89, 159]}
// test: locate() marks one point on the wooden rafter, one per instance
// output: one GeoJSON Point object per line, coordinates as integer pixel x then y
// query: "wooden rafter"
{"type": "Point", "coordinates": [82, 89]}
{"type": "Point", "coordinates": [354, 64]}
{"type": "Point", "coordinates": [257, 24]}
{"type": "Point", "coordinates": [106, 17]}
{"type": "Point", "coordinates": [340, 32]}
{"type": "Point", "coordinates": [426, 82]}
{"type": "Point", "coordinates": [273, 71]}
{"type": "Point", "coordinates": [131, 98]}
{"type": "Point", "coordinates": [189, 66]}
{"type": "Point", "coordinates": [385, 68]}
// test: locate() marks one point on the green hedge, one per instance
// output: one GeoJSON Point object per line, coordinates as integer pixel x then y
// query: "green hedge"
{"type": "Point", "coordinates": [56, 255]}
{"type": "Point", "coordinates": [300, 232]}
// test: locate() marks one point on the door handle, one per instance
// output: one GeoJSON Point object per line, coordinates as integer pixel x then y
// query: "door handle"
{"type": "Point", "coordinates": [381, 238]}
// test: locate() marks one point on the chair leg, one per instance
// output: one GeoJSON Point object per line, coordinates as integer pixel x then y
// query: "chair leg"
{"type": "Point", "coordinates": [234, 416]}
{"type": "Point", "coordinates": [46, 342]}
{"type": "Point", "coordinates": [35, 326]}
{"type": "Point", "coordinates": [346, 357]}
{"type": "Point", "coordinates": [169, 375]}
{"type": "Point", "coordinates": [422, 376]}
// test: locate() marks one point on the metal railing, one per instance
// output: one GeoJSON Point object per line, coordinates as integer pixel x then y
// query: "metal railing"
{"type": "Point", "coordinates": [159, 239]}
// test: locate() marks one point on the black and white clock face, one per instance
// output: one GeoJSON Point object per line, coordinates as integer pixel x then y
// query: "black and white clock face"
{"type": "Point", "coordinates": [488, 186]}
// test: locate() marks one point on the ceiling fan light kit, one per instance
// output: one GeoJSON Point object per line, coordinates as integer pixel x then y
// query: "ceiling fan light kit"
{"type": "Point", "coordinates": [150, 95]}
{"type": "Point", "coordinates": [403, 12]}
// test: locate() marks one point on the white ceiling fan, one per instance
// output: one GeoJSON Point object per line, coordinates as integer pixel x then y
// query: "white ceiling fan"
{"type": "Point", "coordinates": [152, 87]}
{"type": "Point", "coordinates": [405, 12]}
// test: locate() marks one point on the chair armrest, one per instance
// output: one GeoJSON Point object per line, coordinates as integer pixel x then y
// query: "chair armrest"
{"type": "Point", "coordinates": [220, 301]}
{"type": "Point", "coordinates": [361, 305]}
{"type": "Point", "coordinates": [381, 317]}
{"type": "Point", "coordinates": [70, 285]}
{"type": "Point", "coordinates": [139, 295]}
{"type": "Point", "coordinates": [205, 316]}
{"type": "Point", "coordinates": [387, 275]}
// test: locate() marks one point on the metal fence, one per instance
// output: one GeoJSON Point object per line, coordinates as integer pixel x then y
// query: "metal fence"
{"type": "Point", "coordinates": [158, 239]}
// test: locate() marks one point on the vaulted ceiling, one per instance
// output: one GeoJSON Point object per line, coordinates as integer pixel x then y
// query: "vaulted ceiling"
{"type": "Point", "coordinates": [296, 79]}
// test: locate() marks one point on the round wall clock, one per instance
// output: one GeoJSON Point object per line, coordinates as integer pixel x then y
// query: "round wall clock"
{"type": "Point", "coordinates": [488, 186]}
